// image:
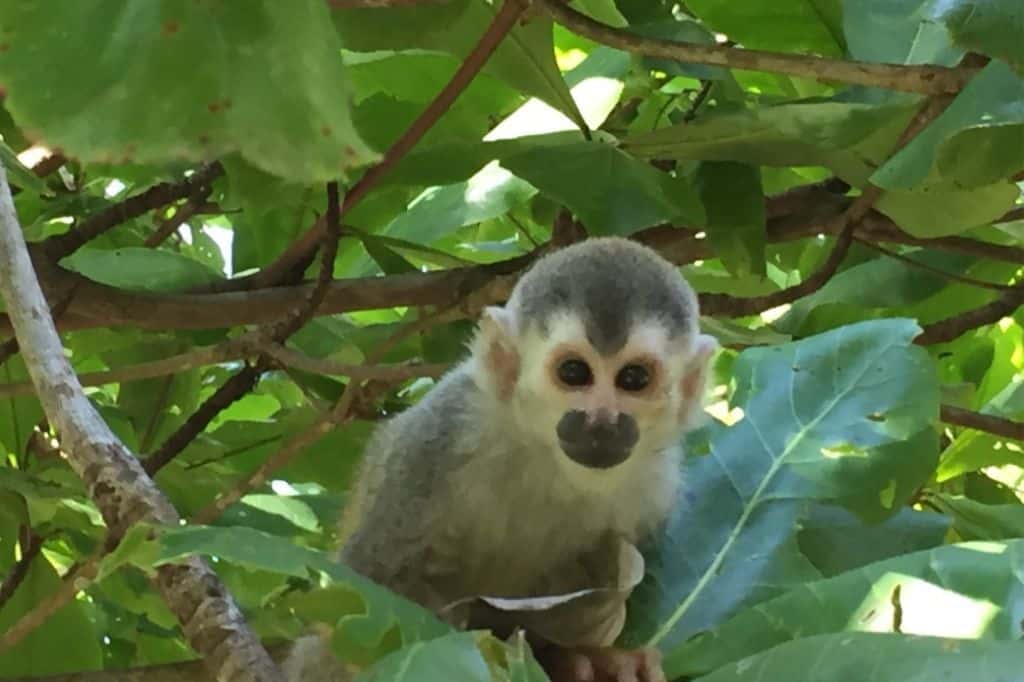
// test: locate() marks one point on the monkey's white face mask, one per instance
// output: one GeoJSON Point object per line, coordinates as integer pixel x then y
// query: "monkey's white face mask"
{"type": "Point", "coordinates": [593, 410]}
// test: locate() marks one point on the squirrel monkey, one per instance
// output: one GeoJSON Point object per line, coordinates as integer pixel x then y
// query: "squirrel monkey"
{"type": "Point", "coordinates": [556, 438]}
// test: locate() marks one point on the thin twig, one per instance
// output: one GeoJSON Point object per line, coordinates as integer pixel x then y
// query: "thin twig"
{"type": "Point", "coordinates": [61, 245]}
{"type": "Point", "coordinates": [999, 426]}
{"type": "Point", "coordinates": [504, 21]}
{"type": "Point", "coordinates": [927, 79]}
{"type": "Point", "coordinates": [246, 347]}
{"type": "Point", "coordinates": [181, 215]}
{"type": "Point", "coordinates": [30, 544]}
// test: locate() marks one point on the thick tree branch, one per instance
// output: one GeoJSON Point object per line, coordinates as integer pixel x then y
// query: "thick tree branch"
{"type": "Point", "coordinates": [124, 494]}
{"type": "Point", "coordinates": [504, 21]}
{"type": "Point", "coordinates": [927, 80]}
{"type": "Point", "coordinates": [999, 426]}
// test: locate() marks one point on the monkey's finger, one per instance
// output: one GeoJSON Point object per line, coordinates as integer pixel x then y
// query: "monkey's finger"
{"type": "Point", "coordinates": [650, 665]}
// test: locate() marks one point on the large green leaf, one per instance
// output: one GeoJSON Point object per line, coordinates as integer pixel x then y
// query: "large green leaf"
{"type": "Point", "coordinates": [788, 25]}
{"type": "Point", "coordinates": [837, 541]}
{"type": "Point", "coordinates": [879, 658]}
{"type": "Point", "coordinates": [896, 33]}
{"type": "Point", "coordinates": [976, 521]}
{"type": "Point", "coordinates": [800, 134]}
{"type": "Point", "coordinates": [846, 415]}
{"type": "Point", "coordinates": [969, 590]}
{"type": "Point", "coordinates": [525, 59]}
{"type": "Point", "coordinates": [992, 27]}
{"type": "Point", "coordinates": [172, 79]}
{"type": "Point", "coordinates": [452, 657]}
{"type": "Point", "coordinates": [141, 269]}
{"type": "Point", "coordinates": [620, 195]}
{"type": "Point", "coordinates": [975, 142]}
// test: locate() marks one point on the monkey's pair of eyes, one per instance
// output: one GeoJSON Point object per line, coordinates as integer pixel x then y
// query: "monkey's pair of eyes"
{"type": "Point", "coordinates": [577, 373]}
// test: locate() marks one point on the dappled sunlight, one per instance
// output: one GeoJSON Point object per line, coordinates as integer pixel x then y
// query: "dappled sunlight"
{"type": "Point", "coordinates": [913, 606]}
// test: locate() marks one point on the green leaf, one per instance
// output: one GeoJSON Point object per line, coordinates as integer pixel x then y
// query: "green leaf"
{"type": "Point", "coordinates": [70, 627]}
{"type": "Point", "coordinates": [524, 59]}
{"type": "Point", "coordinates": [439, 211]}
{"type": "Point", "coordinates": [620, 195]}
{"type": "Point", "coordinates": [976, 521]}
{"type": "Point", "coordinates": [991, 27]}
{"type": "Point", "coordinates": [837, 541]}
{"type": "Point", "coordinates": [975, 142]}
{"type": "Point", "coordinates": [891, 658]}
{"type": "Point", "coordinates": [184, 80]}
{"type": "Point", "coordinates": [780, 25]}
{"type": "Point", "coordinates": [18, 175]}
{"type": "Point", "coordinates": [18, 414]}
{"type": "Point", "coordinates": [732, 196]}
{"type": "Point", "coordinates": [843, 416]}
{"type": "Point", "coordinates": [897, 33]}
{"type": "Point", "coordinates": [969, 590]}
{"type": "Point", "coordinates": [452, 657]}
{"type": "Point", "coordinates": [801, 134]}
{"type": "Point", "coordinates": [141, 269]}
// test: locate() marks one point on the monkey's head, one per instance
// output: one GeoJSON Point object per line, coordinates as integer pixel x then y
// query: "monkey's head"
{"type": "Point", "coordinates": [597, 352]}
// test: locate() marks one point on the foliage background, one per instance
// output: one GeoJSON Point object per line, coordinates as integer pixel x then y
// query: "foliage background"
{"type": "Point", "coordinates": [857, 250]}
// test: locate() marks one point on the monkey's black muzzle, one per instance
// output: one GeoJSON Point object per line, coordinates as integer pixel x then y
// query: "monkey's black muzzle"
{"type": "Point", "coordinates": [599, 444]}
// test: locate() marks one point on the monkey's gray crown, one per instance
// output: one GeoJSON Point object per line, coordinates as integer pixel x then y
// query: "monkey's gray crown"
{"type": "Point", "coordinates": [612, 284]}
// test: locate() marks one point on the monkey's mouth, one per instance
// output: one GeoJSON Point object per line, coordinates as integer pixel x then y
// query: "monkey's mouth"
{"type": "Point", "coordinates": [595, 456]}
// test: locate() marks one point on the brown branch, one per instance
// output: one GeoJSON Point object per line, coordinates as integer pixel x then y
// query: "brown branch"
{"type": "Point", "coordinates": [49, 164]}
{"type": "Point", "coordinates": [30, 544]}
{"type": "Point", "coordinates": [61, 245]}
{"type": "Point", "coordinates": [796, 214]}
{"type": "Point", "coordinates": [999, 426]}
{"type": "Point", "coordinates": [926, 79]}
{"type": "Point", "coordinates": [182, 214]}
{"type": "Point", "coordinates": [952, 327]}
{"type": "Point", "coordinates": [124, 494]}
{"type": "Point", "coordinates": [245, 347]}
{"type": "Point", "coordinates": [242, 382]}
{"type": "Point", "coordinates": [504, 21]}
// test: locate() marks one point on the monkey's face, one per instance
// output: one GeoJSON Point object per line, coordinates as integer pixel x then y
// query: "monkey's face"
{"type": "Point", "coordinates": [601, 409]}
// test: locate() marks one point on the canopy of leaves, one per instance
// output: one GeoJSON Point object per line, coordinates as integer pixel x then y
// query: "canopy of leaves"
{"type": "Point", "coordinates": [840, 181]}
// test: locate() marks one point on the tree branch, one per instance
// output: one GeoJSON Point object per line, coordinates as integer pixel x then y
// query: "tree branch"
{"type": "Point", "coordinates": [927, 79]}
{"type": "Point", "coordinates": [504, 21]}
{"type": "Point", "coordinates": [124, 494]}
{"type": "Point", "coordinates": [30, 544]}
{"type": "Point", "coordinates": [952, 327]}
{"type": "Point", "coordinates": [1007, 428]}
{"type": "Point", "coordinates": [61, 245]}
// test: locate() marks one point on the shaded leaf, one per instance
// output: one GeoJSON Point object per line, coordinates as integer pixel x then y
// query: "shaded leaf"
{"type": "Point", "coordinates": [620, 194]}
{"type": "Point", "coordinates": [786, 25]}
{"type": "Point", "coordinates": [973, 520]}
{"type": "Point", "coordinates": [263, 79]}
{"type": "Point", "coordinates": [991, 27]}
{"type": "Point", "coordinates": [893, 658]}
{"type": "Point", "coordinates": [734, 202]}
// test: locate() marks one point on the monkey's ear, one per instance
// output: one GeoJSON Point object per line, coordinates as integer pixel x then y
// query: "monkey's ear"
{"type": "Point", "coordinates": [496, 350]}
{"type": "Point", "coordinates": [694, 381]}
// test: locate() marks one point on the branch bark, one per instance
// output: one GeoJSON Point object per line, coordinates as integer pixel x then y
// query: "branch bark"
{"type": "Point", "coordinates": [926, 80]}
{"type": "Point", "coordinates": [124, 494]}
{"type": "Point", "coordinates": [1007, 428]}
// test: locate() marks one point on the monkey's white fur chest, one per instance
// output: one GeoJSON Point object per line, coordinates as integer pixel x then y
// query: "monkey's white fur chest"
{"type": "Point", "coordinates": [523, 512]}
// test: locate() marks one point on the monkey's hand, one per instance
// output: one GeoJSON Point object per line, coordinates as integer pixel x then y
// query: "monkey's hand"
{"type": "Point", "coordinates": [601, 664]}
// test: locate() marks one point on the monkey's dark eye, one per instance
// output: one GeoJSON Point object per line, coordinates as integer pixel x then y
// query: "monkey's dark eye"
{"type": "Point", "coordinates": [575, 372]}
{"type": "Point", "coordinates": [633, 378]}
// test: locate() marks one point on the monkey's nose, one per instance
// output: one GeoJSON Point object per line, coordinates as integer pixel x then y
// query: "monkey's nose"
{"type": "Point", "coordinates": [598, 443]}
